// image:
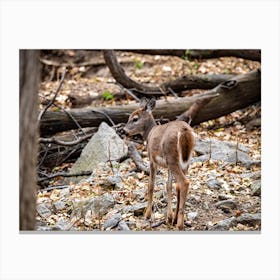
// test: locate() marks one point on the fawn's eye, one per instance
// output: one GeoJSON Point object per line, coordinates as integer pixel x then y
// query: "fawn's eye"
{"type": "Point", "coordinates": [135, 119]}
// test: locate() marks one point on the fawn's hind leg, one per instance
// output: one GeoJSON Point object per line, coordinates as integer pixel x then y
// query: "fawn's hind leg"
{"type": "Point", "coordinates": [169, 198]}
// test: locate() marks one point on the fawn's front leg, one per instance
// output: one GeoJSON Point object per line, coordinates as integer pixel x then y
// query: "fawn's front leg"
{"type": "Point", "coordinates": [150, 190]}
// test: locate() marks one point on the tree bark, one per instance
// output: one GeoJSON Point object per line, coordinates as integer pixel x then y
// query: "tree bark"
{"type": "Point", "coordinates": [234, 94]}
{"type": "Point", "coordinates": [196, 82]}
{"type": "Point", "coordinates": [29, 82]}
{"type": "Point", "coordinates": [180, 84]}
{"type": "Point", "coordinates": [253, 54]}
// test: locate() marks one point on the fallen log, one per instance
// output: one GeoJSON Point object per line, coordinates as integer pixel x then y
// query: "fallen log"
{"type": "Point", "coordinates": [237, 93]}
{"type": "Point", "coordinates": [180, 84]}
{"type": "Point", "coordinates": [253, 54]}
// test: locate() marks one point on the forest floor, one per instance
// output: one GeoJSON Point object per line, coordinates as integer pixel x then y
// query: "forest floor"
{"type": "Point", "coordinates": [218, 191]}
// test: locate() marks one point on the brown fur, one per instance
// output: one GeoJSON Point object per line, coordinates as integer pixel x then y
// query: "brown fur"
{"type": "Point", "coordinates": [162, 146]}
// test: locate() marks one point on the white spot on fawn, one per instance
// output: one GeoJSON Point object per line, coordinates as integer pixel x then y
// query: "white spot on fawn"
{"type": "Point", "coordinates": [184, 164]}
{"type": "Point", "coordinates": [161, 161]}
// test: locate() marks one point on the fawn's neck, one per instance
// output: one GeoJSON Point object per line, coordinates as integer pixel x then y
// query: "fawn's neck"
{"type": "Point", "coordinates": [148, 127]}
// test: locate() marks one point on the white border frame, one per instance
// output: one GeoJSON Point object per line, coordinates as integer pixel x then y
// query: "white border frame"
{"type": "Point", "coordinates": [145, 24]}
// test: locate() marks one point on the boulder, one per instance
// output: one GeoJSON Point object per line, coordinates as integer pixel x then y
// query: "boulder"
{"type": "Point", "coordinates": [98, 205]}
{"type": "Point", "coordinates": [113, 221]}
{"type": "Point", "coordinates": [246, 219]}
{"type": "Point", "coordinates": [123, 226]}
{"type": "Point", "coordinates": [104, 145]}
{"type": "Point", "coordinates": [137, 209]}
{"type": "Point", "coordinates": [256, 188]}
{"type": "Point", "coordinates": [222, 151]}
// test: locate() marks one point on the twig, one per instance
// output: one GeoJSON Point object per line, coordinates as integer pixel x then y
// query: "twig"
{"type": "Point", "coordinates": [71, 117]}
{"type": "Point", "coordinates": [64, 174]}
{"type": "Point", "coordinates": [44, 156]}
{"type": "Point", "coordinates": [104, 114]}
{"type": "Point", "coordinates": [236, 153]}
{"type": "Point", "coordinates": [54, 187]}
{"type": "Point", "coordinates": [109, 156]}
{"type": "Point", "coordinates": [158, 224]}
{"type": "Point", "coordinates": [129, 92]}
{"type": "Point", "coordinates": [54, 97]}
{"type": "Point", "coordinates": [163, 91]}
{"type": "Point", "coordinates": [59, 142]}
{"type": "Point", "coordinates": [64, 159]}
{"type": "Point", "coordinates": [173, 92]}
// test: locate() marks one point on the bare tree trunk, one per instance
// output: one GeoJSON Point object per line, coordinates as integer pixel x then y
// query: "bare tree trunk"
{"type": "Point", "coordinates": [29, 81]}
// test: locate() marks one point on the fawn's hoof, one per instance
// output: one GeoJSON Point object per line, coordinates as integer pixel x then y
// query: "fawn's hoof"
{"type": "Point", "coordinates": [148, 213]}
{"type": "Point", "coordinates": [180, 223]}
{"type": "Point", "coordinates": [169, 218]}
{"type": "Point", "coordinates": [180, 227]}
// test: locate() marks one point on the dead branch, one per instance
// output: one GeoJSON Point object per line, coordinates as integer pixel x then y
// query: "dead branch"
{"type": "Point", "coordinates": [135, 156]}
{"type": "Point", "coordinates": [53, 188]}
{"type": "Point", "coordinates": [158, 224]}
{"type": "Point", "coordinates": [54, 97]}
{"type": "Point", "coordinates": [63, 174]}
{"type": "Point", "coordinates": [63, 143]}
{"type": "Point", "coordinates": [183, 83]}
{"type": "Point", "coordinates": [253, 54]}
{"type": "Point", "coordinates": [192, 112]}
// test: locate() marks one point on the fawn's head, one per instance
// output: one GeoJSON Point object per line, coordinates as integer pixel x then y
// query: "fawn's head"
{"type": "Point", "coordinates": [141, 121]}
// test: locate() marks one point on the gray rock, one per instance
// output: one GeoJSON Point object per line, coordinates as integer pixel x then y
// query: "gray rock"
{"type": "Point", "coordinates": [98, 205]}
{"type": "Point", "coordinates": [256, 188]}
{"type": "Point", "coordinates": [249, 219]}
{"type": "Point", "coordinates": [64, 192]}
{"type": "Point", "coordinates": [223, 225]}
{"type": "Point", "coordinates": [61, 225]}
{"type": "Point", "coordinates": [229, 203]}
{"type": "Point", "coordinates": [213, 184]}
{"type": "Point", "coordinates": [43, 210]}
{"type": "Point", "coordinates": [137, 209]}
{"type": "Point", "coordinates": [139, 194]}
{"type": "Point", "coordinates": [202, 147]}
{"type": "Point", "coordinates": [246, 218]}
{"type": "Point", "coordinates": [192, 215]}
{"type": "Point", "coordinates": [59, 205]}
{"type": "Point", "coordinates": [194, 199]}
{"type": "Point", "coordinates": [112, 182]}
{"type": "Point", "coordinates": [223, 151]}
{"type": "Point", "coordinates": [123, 226]}
{"type": "Point", "coordinates": [104, 145]}
{"type": "Point", "coordinates": [113, 221]}
{"type": "Point", "coordinates": [42, 226]}
{"type": "Point", "coordinates": [205, 205]}
{"type": "Point", "coordinates": [252, 175]}
{"type": "Point", "coordinates": [222, 196]}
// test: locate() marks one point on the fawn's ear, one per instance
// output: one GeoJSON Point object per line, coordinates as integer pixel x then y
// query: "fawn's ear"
{"type": "Point", "coordinates": [151, 105]}
{"type": "Point", "coordinates": [143, 102]}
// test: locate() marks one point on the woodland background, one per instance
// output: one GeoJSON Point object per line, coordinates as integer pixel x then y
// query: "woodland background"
{"type": "Point", "coordinates": [80, 89]}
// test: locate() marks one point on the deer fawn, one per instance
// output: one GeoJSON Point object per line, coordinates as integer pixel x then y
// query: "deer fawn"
{"type": "Point", "coordinates": [169, 145]}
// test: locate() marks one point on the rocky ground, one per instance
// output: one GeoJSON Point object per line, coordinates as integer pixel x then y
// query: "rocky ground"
{"type": "Point", "coordinates": [225, 174]}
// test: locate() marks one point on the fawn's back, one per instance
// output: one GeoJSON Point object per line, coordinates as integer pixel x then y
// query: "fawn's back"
{"type": "Point", "coordinates": [171, 144]}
